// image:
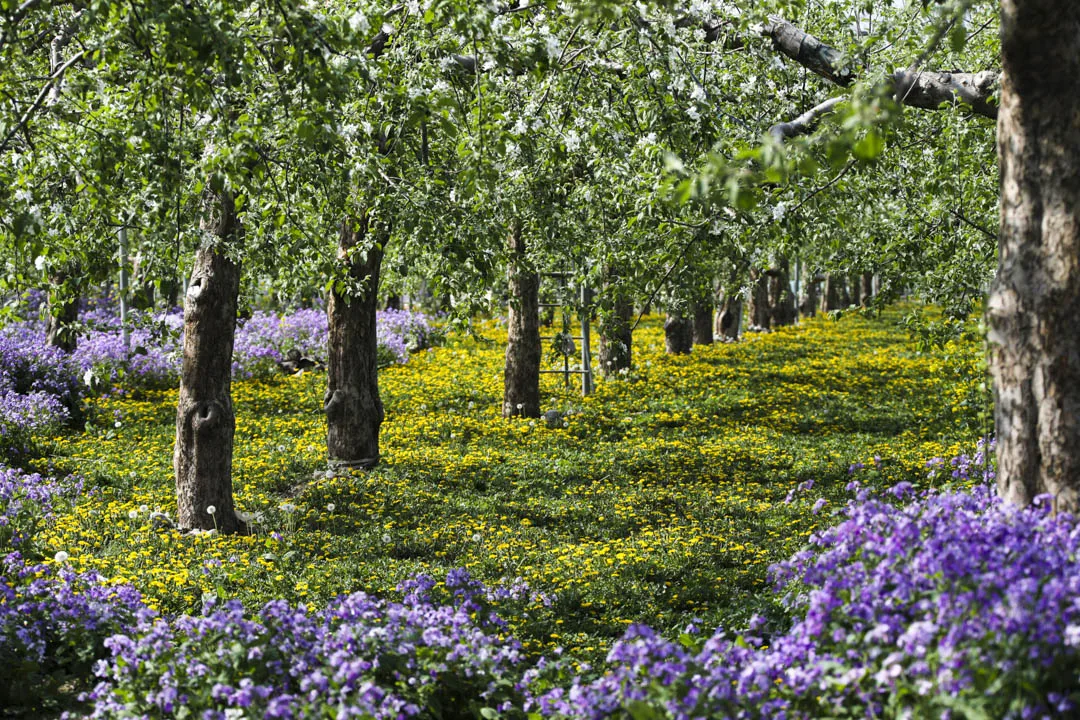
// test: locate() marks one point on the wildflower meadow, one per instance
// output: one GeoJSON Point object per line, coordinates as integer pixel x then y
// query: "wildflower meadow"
{"type": "Point", "coordinates": [800, 524]}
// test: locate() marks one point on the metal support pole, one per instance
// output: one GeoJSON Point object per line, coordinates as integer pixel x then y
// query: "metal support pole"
{"type": "Point", "coordinates": [586, 355]}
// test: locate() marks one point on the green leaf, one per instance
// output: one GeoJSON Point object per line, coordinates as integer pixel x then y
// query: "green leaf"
{"type": "Point", "coordinates": [869, 147]}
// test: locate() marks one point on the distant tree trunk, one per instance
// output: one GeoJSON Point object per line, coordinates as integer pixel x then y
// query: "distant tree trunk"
{"type": "Point", "coordinates": [521, 379]}
{"type": "Point", "coordinates": [760, 312]}
{"type": "Point", "coordinates": [867, 290]}
{"type": "Point", "coordinates": [856, 291]}
{"type": "Point", "coordinates": [616, 339]}
{"type": "Point", "coordinates": [205, 423]}
{"type": "Point", "coordinates": [1032, 311]}
{"type": "Point", "coordinates": [845, 294]}
{"type": "Point", "coordinates": [781, 299]}
{"type": "Point", "coordinates": [393, 301]}
{"type": "Point", "coordinates": [703, 320]}
{"type": "Point", "coordinates": [678, 333]}
{"type": "Point", "coordinates": [834, 292]}
{"type": "Point", "coordinates": [809, 305]}
{"type": "Point", "coordinates": [354, 411]}
{"type": "Point", "coordinates": [63, 311]}
{"type": "Point", "coordinates": [729, 318]}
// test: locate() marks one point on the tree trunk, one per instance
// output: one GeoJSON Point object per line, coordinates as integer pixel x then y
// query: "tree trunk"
{"type": "Point", "coordinates": [867, 280]}
{"type": "Point", "coordinates": [393, 301]}
{"type": "Point", "coordinates": [729, 319]}
{"type": "Point", "coordinates": [1032, 311]}
{"type": "Point", "coordinates": [63, 310]}
{"type": "Point", "coordinates": [616, 339]}
{"type": "Point", "coordinates": [809, 306]}
{"type": "Point", "coordinates": [781, 299]}
{"type": "Point", "coordinates": [856, 291]}
{"type": "Point", "coordinates": [205, 423]}
{"type": "Point", "coordinates": [521, 379]}
{"type": "Point", "coordinates": [831, 298]}
{"type": "Point", "coordinates": [678, 333]}
{"type": "Point", "coordinates": [703, 321]}
{"type": "Point", "coordinates": [354, 411]}
{"type": "Point", "coordinates": [760, 313]}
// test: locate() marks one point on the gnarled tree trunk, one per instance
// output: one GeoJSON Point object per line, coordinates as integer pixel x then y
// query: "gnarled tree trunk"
{"type": "Point", "coordinates": [354, 411]}
{"type": "Point", "coordinates": [678, 333]}
{"type": "Point", "coordinates": [616, 338]}
{"type": "Point", "coordinates": [521, 379]}
{"type": "Point", "coordinates": [1032, 311]}
{"type": "Point", "coordinates": [205, 423]}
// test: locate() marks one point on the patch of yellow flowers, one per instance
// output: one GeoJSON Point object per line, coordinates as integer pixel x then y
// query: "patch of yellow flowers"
{"type": "Point", "coordinates": [661, 497]}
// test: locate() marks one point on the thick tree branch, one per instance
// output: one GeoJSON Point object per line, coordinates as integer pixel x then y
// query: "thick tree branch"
{"type": "Point", "coordinates": [805, 122]}
{"type": "Point", "coordinates": [926, 89]}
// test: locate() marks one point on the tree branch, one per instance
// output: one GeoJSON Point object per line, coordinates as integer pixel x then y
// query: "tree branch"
{"type": "Point", "coordinates": [927, 89]}
{"type": "Point", "coordinates": [25, 119]}
{"type": "Point", "coordinates": [805, 122]}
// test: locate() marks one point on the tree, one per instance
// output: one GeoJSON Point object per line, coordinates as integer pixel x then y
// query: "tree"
{"type": "Point", "coordinates": [1032, 311]}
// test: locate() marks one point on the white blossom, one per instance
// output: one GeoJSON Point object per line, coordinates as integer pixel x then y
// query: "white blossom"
{"type": "Point", "coordinates": [359, 22]}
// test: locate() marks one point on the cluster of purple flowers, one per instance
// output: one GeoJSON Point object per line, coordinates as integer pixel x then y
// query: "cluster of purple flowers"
{"type": "Point", "coordinates": [41, 387]}
{"type": "Point", "coordinates": [359, 657]}
{"type": "Point", "coordinates": [38, 387]}
{"type": "Point", "coordinates": [54, 624]}
{"type": "Point", "coordinates": [26, 501]}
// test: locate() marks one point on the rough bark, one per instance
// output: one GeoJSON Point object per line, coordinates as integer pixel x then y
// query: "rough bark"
{"type": "Point", "coordinates": [760, 312]}
{"type": "Point", "coordinates": [521, 379]}
{"type": "Point", "coordinates": [703, 321]}
{"type": "Point", "coordinates": [1032, 311]}
{"type": "Point", "coordinates": [63, 312]}
{"type": "Point", "coordinates": [616, 338]}
{"type": "Point", "coordinates": [729, 319]}
{"type": "Point", "coordinates": [205, 422]}
{"type": "Point", "coordinates": [354, 411]}
{"type": "Point", "coordinates": [678, 333]}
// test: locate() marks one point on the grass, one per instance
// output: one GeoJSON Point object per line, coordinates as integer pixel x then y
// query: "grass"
{"type": "Point", "coordinates": [662, 499]}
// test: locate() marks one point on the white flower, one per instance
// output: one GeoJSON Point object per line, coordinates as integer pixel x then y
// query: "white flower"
{"type": "Point", "coordinates": [39, 263]}
{"type": "Point", "coordinates": [572, 141]}
{"type": "Point", "coordinates": [23, 194]}
{"type": "Point", "coordinates": [779, 211]}
{"type": "Point", "coordinates": [144, 508]}
{"type": "Point", "coordinates": [288, 508]}
{"type": "Point", "coordinates": [61, 557]}
{"type": "Point", "coordinates": [476, 537]}
{"type": "Point", "coordinates": [359, 22]}
{"type": "Point", "coordinates": [211, 510]}
{"type": "Point", "coordinates": [133, 514]}
{"type": "Point", "coordinates": [386, 538]}
{"type": "Point", "coordinates": [330, 507]}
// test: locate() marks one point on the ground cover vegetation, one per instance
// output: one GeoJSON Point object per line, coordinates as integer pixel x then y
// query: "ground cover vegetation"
{"type": "Point", "coordinates": [804, 490]}
{"type": "Point", "coordinates": [773, 158]}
